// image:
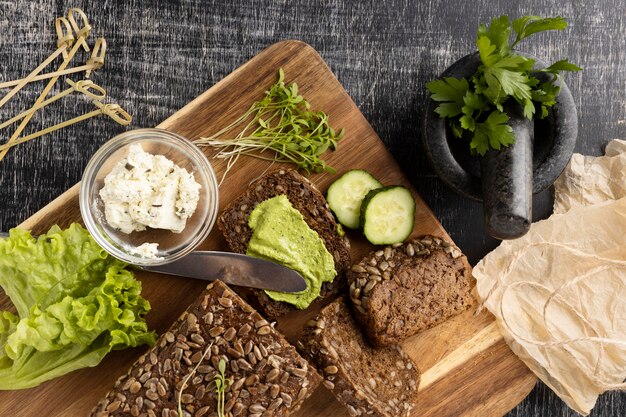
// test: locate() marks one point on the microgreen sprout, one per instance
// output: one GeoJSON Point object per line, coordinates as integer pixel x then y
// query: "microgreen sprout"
{"type": "Point", "coordinates": [221, 385]}
{"type": "Point", "coordinates": [188, 377]}
{"type": "Point", "coordinates": [279, 128]}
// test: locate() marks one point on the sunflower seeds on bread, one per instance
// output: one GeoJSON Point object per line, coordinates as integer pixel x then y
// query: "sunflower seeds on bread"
{"type": "Point", "coordinates": [377, 382]}
{"type": "Point", "coordinates": [304, 197]}
{"type": "Point", "coordinates": [268, 376]}
{"type": "Point", "coordinates": [407, 288]}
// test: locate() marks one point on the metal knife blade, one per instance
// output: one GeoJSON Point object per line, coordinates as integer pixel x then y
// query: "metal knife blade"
{"type": "Point", "coordinates": [235, 269]}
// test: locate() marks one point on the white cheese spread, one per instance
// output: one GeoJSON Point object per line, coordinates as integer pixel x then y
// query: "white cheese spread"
{"type": "Point", "coordinates": [146, 250]}
{"type": "Point", "coordinates": [145, 190]}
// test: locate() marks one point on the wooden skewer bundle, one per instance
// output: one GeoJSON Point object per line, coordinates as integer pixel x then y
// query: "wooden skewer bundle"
{"type": "Point", "coordinates": [71, 37]}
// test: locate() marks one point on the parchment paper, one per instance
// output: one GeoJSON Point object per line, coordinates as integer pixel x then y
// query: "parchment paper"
{"type": "Point", "coordinates": [589, 180]}
{"type": "Point", "coordinates": [559, 292]}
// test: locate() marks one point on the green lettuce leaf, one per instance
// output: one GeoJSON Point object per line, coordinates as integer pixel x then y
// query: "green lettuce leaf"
{"type": "Point", "coordinates": [75, 303]}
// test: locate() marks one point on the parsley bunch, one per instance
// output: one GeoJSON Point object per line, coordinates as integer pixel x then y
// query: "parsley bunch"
{"type": "Point", "coordinates": [476, 105]}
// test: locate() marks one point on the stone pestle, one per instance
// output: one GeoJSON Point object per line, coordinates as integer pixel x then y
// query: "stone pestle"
{"type": "Point", "coordinates": [507, 180]}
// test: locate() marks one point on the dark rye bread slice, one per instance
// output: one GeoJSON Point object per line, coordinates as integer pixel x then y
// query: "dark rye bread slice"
{"type": "Point", "coordinates": [404, 289]}
{"type": "Point", "coordinates": [304, 197]}
{"type": "Point", "coordinates": [378, 382]}
{"type": "Point", "coordinates": [268, 376]}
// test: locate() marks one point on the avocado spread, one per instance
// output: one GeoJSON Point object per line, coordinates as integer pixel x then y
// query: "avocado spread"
{"type": "Point", "coordinates": [280, 234]}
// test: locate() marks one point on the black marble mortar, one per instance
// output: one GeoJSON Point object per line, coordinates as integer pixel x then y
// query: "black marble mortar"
{"type": "Point", "coordinates": [503, 180]}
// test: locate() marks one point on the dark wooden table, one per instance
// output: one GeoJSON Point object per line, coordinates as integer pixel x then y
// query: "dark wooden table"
{"type": "Point", "coordinates": [163, 54]}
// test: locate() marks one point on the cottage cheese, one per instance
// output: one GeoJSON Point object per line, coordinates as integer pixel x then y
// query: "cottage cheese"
{"type": "Point", "coordinates": [145, 190]}
{"type": "Point", "coordinates": [146, 250]}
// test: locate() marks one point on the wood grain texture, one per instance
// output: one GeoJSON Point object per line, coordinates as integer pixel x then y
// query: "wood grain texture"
{"type": "Point", "coordinates": [474, 372]}
{"type": "Point", "coordinates": [162, 54]}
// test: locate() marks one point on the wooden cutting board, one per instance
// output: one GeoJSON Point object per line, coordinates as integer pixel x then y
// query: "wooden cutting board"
{"type": "Point", "coordinates": [467, 368]}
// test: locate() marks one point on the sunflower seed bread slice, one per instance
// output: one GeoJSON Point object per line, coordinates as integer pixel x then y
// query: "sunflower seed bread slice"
{"type": "Point", "coordinates": [378, 382]}
{"type": "Point", "coordinates": [302, 194]}
{"type": "Point", "coordinates": [268, 376]}
{"type": "Point", "coordinates": [404, 289]}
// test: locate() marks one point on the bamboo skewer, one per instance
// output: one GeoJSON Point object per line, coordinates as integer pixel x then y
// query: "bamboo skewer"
{"type": "Point", "coordinates": [66, 39]}
{"type": "Point", "coordinates": [43, 95]}
{"type": "Point", "coordinates": [30, 76]}
{"type": "Point", "coordinates": [68, 46]}
{"type": "Point", "coordinates": [83, 86]}
{"type": "Point", "coordinates": [114, 111]}
{"type": "Point", "coordinates": [81, 32]}
{"type": "Point", "coordinates": [65, 35]}
{"type": "Point", "coordinates": [48, 75]}
{"type": "Point", "coordinates": [96, 60]}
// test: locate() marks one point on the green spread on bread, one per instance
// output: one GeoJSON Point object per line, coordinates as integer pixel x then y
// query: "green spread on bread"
{"type": "Point", "coordinates": [280, 234]}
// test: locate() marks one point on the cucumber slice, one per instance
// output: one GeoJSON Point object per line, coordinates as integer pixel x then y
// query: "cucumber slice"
{"type": "Point", "coordinates": [346, 194]}
{"type": "Point", "coordinates": [387, 215]}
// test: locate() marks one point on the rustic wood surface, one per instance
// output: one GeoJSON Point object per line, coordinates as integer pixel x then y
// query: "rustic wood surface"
{"type": "Point", "coordinates": [163, 54]}
{"type": "Point", "coordinates": [466, 352]}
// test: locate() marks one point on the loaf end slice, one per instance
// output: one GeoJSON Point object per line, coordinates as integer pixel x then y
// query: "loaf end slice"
{"type": "Point", "coordinates": [379, 382]}
{"type": "Point", "coordinates": [268, 376]}
{"type": "Point", "coordinates": [304, 197]}
{"type": "Point", "coordinates": [404, 289]}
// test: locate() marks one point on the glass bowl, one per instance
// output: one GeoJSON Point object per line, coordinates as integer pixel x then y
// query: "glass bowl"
{"type": "Point", "coordinates": [171, 246]}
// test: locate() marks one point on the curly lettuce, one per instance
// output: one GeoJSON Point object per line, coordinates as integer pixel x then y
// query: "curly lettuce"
{"type": "Point", "coordinates": [75, 303]}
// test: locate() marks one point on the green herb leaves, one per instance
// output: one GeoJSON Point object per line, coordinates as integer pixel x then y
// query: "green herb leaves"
{"type": "Point", "coordinates": [528, 25]}
{"type": "Point", "coordinates": [477, 105]}
{"type": "Point", "coordinates": [497, 34]}
{"type": "Point", "coordinates": [493, 132]}
{"type": "Point", "coordinates": [450, 91]}
{"type": "Point", "coordinates": [280, 128]}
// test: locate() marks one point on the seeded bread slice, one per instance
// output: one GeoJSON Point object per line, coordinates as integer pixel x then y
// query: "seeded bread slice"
{"type": "Point", "coordinates": [268, 376]}
{"type": "Point", "coordinates": [304, 197]}
{"type": "Point", "coordinates": [378, 382]}
{"type": "Point", "coordinates": [407, 288]}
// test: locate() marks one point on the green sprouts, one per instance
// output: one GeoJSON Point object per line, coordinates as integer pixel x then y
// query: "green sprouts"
{"type": "Point", "coordinates": [221, 384]}
{"type": "Point", "coordinates": [279, 128]}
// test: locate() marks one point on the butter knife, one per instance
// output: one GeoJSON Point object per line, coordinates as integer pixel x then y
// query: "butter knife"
{"type": "Point", "coordinates": [235, 269]}
{"type": "Point", "coordinates": [231, 268]}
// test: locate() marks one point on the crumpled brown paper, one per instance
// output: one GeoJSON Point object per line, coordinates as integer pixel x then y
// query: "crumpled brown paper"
{"type": "Point", "coordinates": [559, 292]}
{"type": "Point", "coordinates": [589, 180]}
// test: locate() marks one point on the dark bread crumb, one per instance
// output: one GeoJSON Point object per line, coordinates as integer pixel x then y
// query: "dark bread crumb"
{"type": "Point", "coordinates": [379, 382]}
{"type": "Point", "coordinates": [267, 374]}
{"type": "Point", "coordinates": [400, 291]}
